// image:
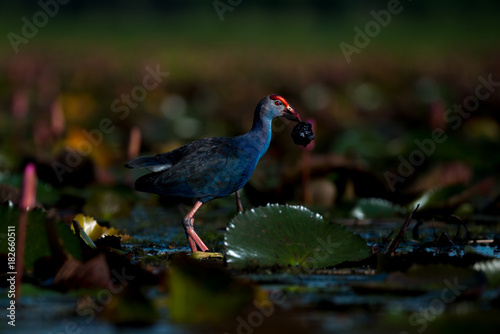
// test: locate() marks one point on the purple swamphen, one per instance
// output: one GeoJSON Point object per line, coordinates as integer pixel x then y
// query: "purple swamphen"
{"type": "Point", "coordinates": [212, 167]}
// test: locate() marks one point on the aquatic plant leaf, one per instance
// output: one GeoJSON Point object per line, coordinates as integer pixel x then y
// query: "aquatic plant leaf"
{"type": "Point", "coordinates": [376, 208]}
{"type": "Point", "coordinates": [37, 244]}
{"type": "Point", "coordinates": [92, 229]}
{"type": "Point", "coordinates": [290, 235]}
{"type": "Point", "coordinates": [74, 274]}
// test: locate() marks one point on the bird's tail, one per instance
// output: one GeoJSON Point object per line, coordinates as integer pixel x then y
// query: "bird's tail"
{"type": "Point", "coordinates": [146, 183]}
{"type": "Point", "coordinates": [150, 163]}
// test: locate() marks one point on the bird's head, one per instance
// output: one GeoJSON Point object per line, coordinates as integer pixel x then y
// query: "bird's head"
{"type": "Point", "coordinates": [276, 106]}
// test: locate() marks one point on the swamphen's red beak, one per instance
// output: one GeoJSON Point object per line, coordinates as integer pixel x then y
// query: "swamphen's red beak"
{"type": "Point", "coordinates": [291, 114]}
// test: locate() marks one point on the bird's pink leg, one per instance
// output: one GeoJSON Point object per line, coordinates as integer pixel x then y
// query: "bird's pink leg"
{"type": "Point", "coordinates": [193, 238]}
{"type": "Point", "coordinates": [191, 242]}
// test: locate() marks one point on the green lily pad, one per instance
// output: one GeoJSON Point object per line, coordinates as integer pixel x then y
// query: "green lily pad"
{"type": "Point", "coordinates": [290, 235]}
{"type": "Point", "coordinates": [376, 208]}
{"type": "Point", "coordinates": [37, 244]}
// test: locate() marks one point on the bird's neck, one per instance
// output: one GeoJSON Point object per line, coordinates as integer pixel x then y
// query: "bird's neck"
{"type": "Point", "coordinates": [260, 134]}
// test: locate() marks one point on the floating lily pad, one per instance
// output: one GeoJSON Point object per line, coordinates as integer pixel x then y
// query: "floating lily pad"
{"type": "Point", "coordinates": [376, 208]}
{"type": "Point", "coordinates": [290, 235]}
{"type": "Point", "coordinates": [491, 269]}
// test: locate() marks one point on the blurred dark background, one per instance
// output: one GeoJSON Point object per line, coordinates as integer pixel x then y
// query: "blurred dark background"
{"type": "Point", "coordinates": [62, 80]}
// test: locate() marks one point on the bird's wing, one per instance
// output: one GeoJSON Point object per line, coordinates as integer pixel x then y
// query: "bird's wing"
{"type": "Point", "coordinates": [211, 166]}
{"type": "Point", "coordinates": [164, 161]}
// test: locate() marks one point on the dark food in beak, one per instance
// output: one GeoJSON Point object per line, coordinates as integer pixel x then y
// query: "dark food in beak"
{"type": "Point", "coordinates": [302, 133]}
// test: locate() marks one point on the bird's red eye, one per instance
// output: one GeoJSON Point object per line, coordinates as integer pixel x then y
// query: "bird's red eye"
{"type": "Point", "coordinates": [278, 103]}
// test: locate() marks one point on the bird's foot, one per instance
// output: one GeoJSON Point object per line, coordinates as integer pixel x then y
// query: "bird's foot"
{"type": "Point", "coordinates": [193, 238]}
